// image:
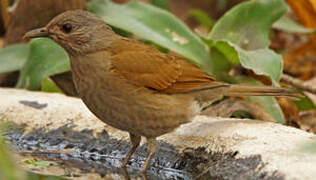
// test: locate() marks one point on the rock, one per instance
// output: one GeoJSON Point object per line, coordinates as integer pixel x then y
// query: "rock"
{"type": "Point", "coordinates": [277, 151]}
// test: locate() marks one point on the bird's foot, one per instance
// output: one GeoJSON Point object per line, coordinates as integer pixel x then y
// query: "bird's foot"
{"type": "Point", "coordinates": [135, 143]}
{"type": "Point", "coordinates": [151, 148]}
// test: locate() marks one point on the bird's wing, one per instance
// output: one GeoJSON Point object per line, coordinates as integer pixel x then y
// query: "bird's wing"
{"type": "Point", "coordinates": [165, 73]}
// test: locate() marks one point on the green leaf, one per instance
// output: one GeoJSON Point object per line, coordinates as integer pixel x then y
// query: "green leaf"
{"type": "Point", "coordinates": [121, 32]}
{"type": "Point", "coordinates": [9, 169]}
{"type": "Point", "coordinates": [163, 4]}
{"type": "Point", "coordinates": [202, 17]}
{"type": "Point", "coordinates": [7, 166]}
{"type": "Point", "coordinates": [37, 162]}
{"type": "Point", "coordinates": [46, 58]}
{"type": "Point", "coordinates": [242, 35]}
{"type": "Point", "coordinates": [270, 104]}
{"type": "Point", "coordinates": [248, 24]}
{"type": "Point", "coordinates": [47, 85]}
{"type": "Point", "coordinates": [305, 104]}
{"type": "Point", "coordinates": [12, 58]}
{"type": "Point", "coordinates": [289, 25]}
{"type": "Point", "coordinates": [219, 64]}
{"type": "Point", "coordinates": [229, 50]}
{"type": "Point", "coordinates": [263, 62]}
{"type": "Point", "coordinates": [156, 25]}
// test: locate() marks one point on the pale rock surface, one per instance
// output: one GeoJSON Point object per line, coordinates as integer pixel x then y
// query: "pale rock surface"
{"type": "Point", "coordinates": [281, 147]}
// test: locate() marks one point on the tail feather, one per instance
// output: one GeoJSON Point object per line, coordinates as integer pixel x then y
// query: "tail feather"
{"type": "Point", "coordinates": [248, 90]}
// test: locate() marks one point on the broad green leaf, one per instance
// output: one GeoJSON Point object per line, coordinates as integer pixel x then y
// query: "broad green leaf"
{"type": "Point", "coordinates": [12, 58]}
{"type": "Point", "coordinates": [219, 66]}
{"type": "Point", "coordinates": [229, 50]}
{"type": "Point", "coordinates": [289, 25]}
{"type": "Point", "coordinates": [270, 104]}
{"type": "Point", "coordinates": [242, 35]}
{"type": "Point", "coordinates": [154, 24]}
{"type": "Point", "coordinates": [248, 24]}
{"type": "Point", "coordinates": [46, 58]}
{"type": "Point", "coordinates": [262, 62]}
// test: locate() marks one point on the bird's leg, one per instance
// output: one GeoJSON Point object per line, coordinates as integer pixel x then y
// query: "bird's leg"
{"type": "Point", "coordinates": [135, 140]}
{"type": "Point", "coordinates": [152, 146]}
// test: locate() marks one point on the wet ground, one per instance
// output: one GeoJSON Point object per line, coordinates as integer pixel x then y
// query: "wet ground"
{"type": "Point", "coordinates": [103, 156]}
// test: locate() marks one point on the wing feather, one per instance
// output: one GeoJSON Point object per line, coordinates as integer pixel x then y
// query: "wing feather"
{"type": "Point", "coordinates": [147, 67]}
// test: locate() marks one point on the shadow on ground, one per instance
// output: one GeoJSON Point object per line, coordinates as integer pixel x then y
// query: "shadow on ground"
{"type": "Point", "coordinates": [103, 155]}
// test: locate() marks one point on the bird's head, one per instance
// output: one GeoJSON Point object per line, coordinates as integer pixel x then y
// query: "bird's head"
{"type": "Point", "coordinates": [77, 31]}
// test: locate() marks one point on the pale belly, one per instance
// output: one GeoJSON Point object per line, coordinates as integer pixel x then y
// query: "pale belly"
{"type": "Point", "coordinates": [140, 116]}
{"type": "Point", "coordinates": [138, 111]}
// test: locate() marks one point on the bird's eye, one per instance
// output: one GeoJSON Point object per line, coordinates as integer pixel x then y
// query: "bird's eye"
{"type": "Point", "coordinates": [67, 28]}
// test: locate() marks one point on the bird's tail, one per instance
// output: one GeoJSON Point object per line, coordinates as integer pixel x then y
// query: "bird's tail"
{"type": "Point", "coordinates": [249, 90]}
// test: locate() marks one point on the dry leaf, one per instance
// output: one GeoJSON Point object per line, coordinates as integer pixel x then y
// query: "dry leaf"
{"type": "Point", "coordinates": [313, 3]}
{"type": "Point", "coordinates": [305, 10]}
{"type": "Point", "coordinates": [301, 62]}
{"type": "Point", "coordinates": [290, 111]}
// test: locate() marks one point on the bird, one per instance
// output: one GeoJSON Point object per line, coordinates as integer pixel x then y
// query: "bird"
{"type": "Point", "coordinates": [134, 87]}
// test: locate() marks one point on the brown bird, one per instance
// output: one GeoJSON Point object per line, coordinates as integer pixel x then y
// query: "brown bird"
{"type": "Point", "coordinates": [132, 86]}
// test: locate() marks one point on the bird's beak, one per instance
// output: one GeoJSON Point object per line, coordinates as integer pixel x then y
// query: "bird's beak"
{"type": "Point", "coordinates": [40, 32]}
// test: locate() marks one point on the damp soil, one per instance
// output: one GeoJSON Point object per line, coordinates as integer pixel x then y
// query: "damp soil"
{"type": "Point", "coordinates": [103, 155]}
